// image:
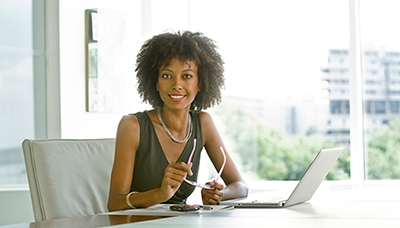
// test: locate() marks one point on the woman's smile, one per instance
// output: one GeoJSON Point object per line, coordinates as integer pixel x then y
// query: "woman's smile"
{"type": "Point", "coordinates": [177, 97]}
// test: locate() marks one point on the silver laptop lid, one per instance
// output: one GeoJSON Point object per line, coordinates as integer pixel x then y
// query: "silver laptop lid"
{"type": "Point", "coordinates": [313, 177]}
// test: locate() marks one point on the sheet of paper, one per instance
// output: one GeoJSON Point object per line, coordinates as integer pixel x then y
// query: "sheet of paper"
{"type": "Point", "coordinates": [163, 210]}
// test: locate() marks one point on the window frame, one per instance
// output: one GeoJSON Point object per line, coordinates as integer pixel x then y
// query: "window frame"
{"type": "Point", "coordinates": [357, 147]}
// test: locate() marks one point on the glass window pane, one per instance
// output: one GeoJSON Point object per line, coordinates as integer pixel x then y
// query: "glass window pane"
{"type": "Point", "coordinates": [335, 106]}
{"type": "Point", "coordinates": [394, 107]}
{"type": "Point", "coordinates": [381, 66]}
{"type": "Point", "coordinates": [16, 88]}
{"type": "Point", "coordinates": [286, 68]}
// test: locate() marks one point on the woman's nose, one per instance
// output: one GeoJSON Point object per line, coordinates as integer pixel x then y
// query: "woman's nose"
{"type": "Point", "coordinates": [177, 84]}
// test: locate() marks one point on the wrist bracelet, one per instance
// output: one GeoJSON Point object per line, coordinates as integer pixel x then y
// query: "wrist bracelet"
{"type": "Point", "coordinates": [128, 201]}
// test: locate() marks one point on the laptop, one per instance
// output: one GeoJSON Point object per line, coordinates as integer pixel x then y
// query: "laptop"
{"type": "Point", "coordinates": [305, 189]}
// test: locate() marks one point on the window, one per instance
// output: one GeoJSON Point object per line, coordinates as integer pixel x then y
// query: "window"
{"type": "Point", "coordinates": [371, 72]}
{"type": "Point", "coordinates": [16, 88]}
{"type": "Point", "coordinates": [347, 107]}
{"type": "Point", "coordinates": [368, 107]}
{"type": "Point", "coordinates": [380, 107]}
{"type": "Point", "coordinates": [280, 57]}
{"type": "Point", "coordinates": [370, 92]}
{"type": "Point", "coordinates": [336, 107]}
{"type": "Point", "coordinates": [275, 53]}
{"type": "Point", "coordinates": [382, 157]}
{"type": "Point", "coordinates": [394, 107]}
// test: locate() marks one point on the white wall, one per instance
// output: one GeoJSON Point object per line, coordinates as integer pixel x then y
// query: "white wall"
{"type": "Point", "coordinates": [149, 17]}
{"type": "Point", "coordinates": [75, 121]}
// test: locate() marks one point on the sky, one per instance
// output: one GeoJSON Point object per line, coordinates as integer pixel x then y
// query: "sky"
{"type": "Point", "coordinates": [276, 49]}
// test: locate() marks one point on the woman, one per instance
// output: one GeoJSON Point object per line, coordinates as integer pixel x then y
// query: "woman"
{"type": "Point", "coordinates": [179, 74]}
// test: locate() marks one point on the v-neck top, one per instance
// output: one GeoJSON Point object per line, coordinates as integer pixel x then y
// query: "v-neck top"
{"type": "Point", "coordinates": [151, 162]}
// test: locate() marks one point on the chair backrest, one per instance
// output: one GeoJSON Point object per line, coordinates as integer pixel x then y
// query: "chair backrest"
{"type": "Point", "coordinates": [68, 178]}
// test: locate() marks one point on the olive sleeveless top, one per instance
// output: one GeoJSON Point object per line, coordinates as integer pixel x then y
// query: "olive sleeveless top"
{"type": "Point", "coordinates": [150, 161]}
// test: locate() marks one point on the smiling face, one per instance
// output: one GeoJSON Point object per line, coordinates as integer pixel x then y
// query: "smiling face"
{"type": "Point", "coordinates": [178, 83]}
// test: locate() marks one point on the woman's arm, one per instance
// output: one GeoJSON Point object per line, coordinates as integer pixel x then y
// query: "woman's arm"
{"type": "Point", "coordinates": [127, 142]}
{"type": "Point", "coordinates": [235, 184]}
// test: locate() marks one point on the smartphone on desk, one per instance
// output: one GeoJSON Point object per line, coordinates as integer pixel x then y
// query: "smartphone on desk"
{"type": "Point", "coordinates": [184, 207]}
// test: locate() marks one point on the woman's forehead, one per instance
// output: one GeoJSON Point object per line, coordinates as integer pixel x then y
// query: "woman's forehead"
{"type": "Point", "coordinates": [190, 62]}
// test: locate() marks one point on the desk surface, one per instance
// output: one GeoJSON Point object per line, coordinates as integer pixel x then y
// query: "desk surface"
{"type": "Point", "coordinates": [335, 204]}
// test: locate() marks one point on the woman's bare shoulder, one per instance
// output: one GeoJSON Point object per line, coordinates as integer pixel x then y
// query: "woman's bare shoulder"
{"type": "Point", "coordinates": [205, 116]}
{"type": "Point", "coordinates": [208, 128]}
{"type": "Point", "coordinates": [128, 134]}
{"type": "Point", "coordinates": [128, 127]}
{"type": "Point", "coordinates": [129, 121]}
{"type": "Point", "coordinates": [206, 120]}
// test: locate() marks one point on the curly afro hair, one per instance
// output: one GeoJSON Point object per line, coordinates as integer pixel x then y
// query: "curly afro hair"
{"type": "Point", "coordinates": [184, 46]}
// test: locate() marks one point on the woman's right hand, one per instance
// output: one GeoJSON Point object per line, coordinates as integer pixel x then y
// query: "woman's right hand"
{"type": "Point", "coordinates": [173, 177]}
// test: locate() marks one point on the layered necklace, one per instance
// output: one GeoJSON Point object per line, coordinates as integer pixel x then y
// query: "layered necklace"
{"type": "Point", "coordinates": [189, 129]}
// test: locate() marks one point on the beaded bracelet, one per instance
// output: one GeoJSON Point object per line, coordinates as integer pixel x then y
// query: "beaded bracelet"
{"type": "Point", "coordinates": [128, 201]}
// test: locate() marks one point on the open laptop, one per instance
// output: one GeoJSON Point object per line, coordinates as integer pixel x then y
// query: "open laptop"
{"type": "Point", "coordinates": [304, 190]}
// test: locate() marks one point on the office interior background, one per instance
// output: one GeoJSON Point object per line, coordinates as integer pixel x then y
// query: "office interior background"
{"type": "Point", "coordinates": [300, 75]}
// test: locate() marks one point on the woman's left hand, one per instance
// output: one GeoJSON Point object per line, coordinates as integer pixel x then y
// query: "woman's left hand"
{"type": "Point", "coordinates": [212, 196]}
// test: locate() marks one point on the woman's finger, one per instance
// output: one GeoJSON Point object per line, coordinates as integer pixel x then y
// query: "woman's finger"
{"type": "Point", "coordinates": [211, 196]}
{"type": "Point", "coordinates": [182, 167]}
{"type": "Point", "coordinates": [214, 184]}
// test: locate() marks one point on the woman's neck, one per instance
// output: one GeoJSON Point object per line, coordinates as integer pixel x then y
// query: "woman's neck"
{"type": "Point", "coordinates": [175, 120]}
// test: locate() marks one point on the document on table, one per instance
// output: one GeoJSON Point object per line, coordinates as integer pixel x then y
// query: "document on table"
{"type": "Point", "coordinates": [163, 210]}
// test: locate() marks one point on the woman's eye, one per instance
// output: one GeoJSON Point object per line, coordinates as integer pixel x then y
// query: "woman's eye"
{"type": "Point", "coordinates": [165, 76]}
{"type": "Point", "coordinates": [187, 76]}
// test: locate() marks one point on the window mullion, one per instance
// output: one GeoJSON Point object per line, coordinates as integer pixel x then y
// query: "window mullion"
{"type": "Point", "coordinates": [356, 100]}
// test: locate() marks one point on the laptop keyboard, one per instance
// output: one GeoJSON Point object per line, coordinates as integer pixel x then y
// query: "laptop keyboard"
{"type": "Point", "coordinates": [273, 200]}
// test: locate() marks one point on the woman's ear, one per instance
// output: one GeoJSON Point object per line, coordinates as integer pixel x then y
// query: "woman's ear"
{"type": "Point", "coordinates": [157, 86]}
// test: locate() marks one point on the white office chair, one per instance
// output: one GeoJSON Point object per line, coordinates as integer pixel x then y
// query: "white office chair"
{"type": "Point", "coordinates": [68, 178]}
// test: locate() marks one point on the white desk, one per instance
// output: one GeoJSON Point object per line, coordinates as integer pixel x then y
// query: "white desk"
{"type": "Point", "coordinates": [335, 204]}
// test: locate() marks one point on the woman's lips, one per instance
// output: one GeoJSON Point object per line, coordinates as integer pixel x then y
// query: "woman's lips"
{"type": "Point", "coordinates": [176, 97]}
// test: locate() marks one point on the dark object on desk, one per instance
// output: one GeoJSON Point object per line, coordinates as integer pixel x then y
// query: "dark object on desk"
{"type": "Point", "coordinates": [184, 207]}
{"type": "Point", "coordinates": [304, 190]}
